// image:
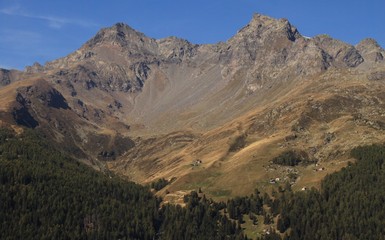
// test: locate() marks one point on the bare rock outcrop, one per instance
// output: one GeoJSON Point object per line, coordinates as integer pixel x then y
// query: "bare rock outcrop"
{"type": "Point", "coordinates": [341, 54]}
{"type": "Point", "coordinates": [5, 77]}
{"type": "Point", "coordinates": [8, 76]}
{"type": "Point", "coordinates": [371, 51]}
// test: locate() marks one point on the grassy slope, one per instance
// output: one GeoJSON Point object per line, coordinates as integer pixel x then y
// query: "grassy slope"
{"type": "Point", "coordinates": [326, 104]}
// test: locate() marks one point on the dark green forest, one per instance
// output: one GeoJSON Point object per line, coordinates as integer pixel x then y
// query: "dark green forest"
{"type": "Point", "coordinates": [44, 194]}
{"type": "Point", "coordinates": [350, 204]}
{"type": "Point", "coordinates": [159, 184]}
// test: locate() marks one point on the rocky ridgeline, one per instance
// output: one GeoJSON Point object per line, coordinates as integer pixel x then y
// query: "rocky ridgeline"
{"type": "Point", "coordinates": [181, 102]}
{"type": "Point", "coordinates": [120, 59]}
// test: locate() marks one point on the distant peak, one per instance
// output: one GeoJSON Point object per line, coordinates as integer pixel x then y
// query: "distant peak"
{"type": "Point", "coordinates": [121, 25]}
{"type": "Point", "coordinates": [119, 33]}
{"type": "Point", "coordinates": [264, 25]}
{"type": "Point", "coordinates": [259, 17]}
{"type": "Point", "coordinates": [173, 40]}
{"type": "Point", "coordinates": [124, 28]}
{"type": "Point", "coordinates": [368, 43]}
{"type": "Point", "coordinates": [371, 50]}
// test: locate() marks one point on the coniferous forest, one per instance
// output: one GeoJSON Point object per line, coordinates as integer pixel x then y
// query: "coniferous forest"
{"type": "Point", "coordinates": [45, 194]}
{"type": "Point", "coordinates": [350, 204]}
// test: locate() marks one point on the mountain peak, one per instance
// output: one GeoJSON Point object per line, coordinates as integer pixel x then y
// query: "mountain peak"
{"type": "Point", "coordinates": [371, 50]}
{"type": "Point", "coordinates": [369, 43]}
{"type": "Point", "coordinates": [258, 19]}
{"type": "Point", "coordinates": [120, 34]}
{"type": "Point", "coordinates": [263, 27]}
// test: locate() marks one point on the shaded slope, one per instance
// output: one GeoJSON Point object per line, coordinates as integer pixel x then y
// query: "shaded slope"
{"type": "Point", "coordinates": [46, 194]}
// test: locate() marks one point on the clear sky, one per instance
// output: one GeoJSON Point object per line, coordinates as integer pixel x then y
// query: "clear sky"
{"type": "Point", "coordinates": [43, 30]}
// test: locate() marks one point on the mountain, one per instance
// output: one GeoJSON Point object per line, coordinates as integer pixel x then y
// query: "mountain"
{"type": "Point", "coordinates": [209, 116]}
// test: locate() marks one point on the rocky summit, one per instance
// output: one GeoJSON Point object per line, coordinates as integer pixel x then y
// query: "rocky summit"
{"type": "Point", "coordinates": [212, 116]}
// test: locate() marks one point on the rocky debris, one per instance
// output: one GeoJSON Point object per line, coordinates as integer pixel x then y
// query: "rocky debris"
{"type": "Point", "coordinates": [115, 106]}
{"type": "Point", "coordinates": [196, 163]}
{"type": "Point", "coordinates": [99, 114]}
{"type": "Point", "coordinates": [375, 124]}
{"type": "Point", "coordinates": [107, 155]}
{"type": "Point", "coordinates": [80, 108]}
{"type": "Point", "coordinates": [328, 137]}
{"type": "Point", "coordinates": [376, 76]}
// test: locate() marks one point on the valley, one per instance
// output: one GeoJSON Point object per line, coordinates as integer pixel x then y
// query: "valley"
{"type": "Point", "coordinates": [266, 135]}
{"type": "Point", "coordinates": [208, 116]}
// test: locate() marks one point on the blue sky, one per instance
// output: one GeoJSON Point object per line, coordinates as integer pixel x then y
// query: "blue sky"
{"type": "Point", "coordinates": [41, 30]}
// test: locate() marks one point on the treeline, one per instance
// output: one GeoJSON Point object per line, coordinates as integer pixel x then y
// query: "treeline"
{"type": "Point", "coordinates": [46, 195]}
{"type": "Point", "coordinates": [350, 204]}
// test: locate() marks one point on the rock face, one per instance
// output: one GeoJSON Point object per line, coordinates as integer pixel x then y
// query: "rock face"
{"type": "Point", "coordinates": [121, 59]}
{"type": "Point", "coordinates": [21, 113]}
{"type": "Point", "coordinates": [167, 77]}
{"type": "Point", "coordinates": [4, 77]}
{"type": "Point", "coordinates": [8, 76]}
{"type": "Point", "coordinates": [339, 53]}
{"type": "Point", "coordinates": [151, 106]}
{"type": "Point", "coordinates": [371, 51]}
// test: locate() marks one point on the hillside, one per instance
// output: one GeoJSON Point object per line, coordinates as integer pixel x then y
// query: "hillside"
{"type": "Point", "coordinates": [47, 195]}
{"type": "Point", "coordinates": [209, 116]}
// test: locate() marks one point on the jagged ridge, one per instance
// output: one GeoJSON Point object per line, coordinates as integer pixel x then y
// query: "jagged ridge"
{"type": "Point", "coordinates": [172, 102]}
